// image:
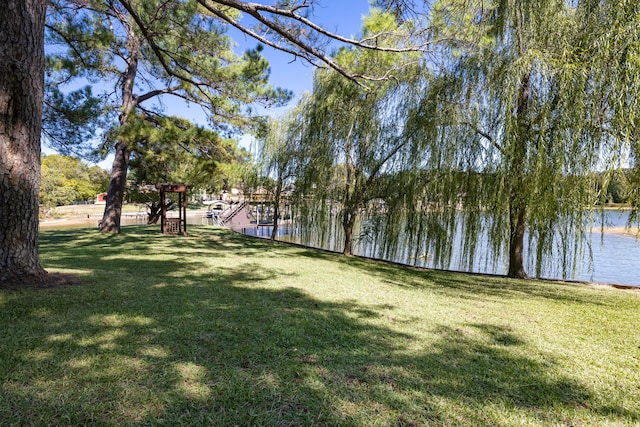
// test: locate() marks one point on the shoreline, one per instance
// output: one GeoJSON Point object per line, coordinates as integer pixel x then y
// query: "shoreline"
{"type": "Point", "coordinates": [89, 219]}
{"type": "Point", "coordinates": [621, 231]}
{"type": "Point", "coordinates": [91, 222]}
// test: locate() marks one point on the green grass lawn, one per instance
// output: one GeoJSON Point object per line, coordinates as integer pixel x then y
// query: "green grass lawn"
{"type": "Point", "coordinates": [221, 329]}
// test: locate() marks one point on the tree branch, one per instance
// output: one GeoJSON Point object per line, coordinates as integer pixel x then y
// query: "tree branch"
{"type": "Point", "coordinates": [254, 10]}
{"type": "Point", "coordinates": [297, 46]}
{"type": "Point", "coordinates": [69, 42]}
{"type": "Point", "coordinates": [156, 49]}
{"type": "Point", "coordinates": [307, 52]}
{"type": "Point", "coordinates": [483, 134]}
{"type": "Point", "coordinates": [148, 95]}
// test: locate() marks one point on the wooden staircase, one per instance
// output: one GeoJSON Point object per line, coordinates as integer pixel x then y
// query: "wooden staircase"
{"type": "Point", "coordinates": [238, 217]}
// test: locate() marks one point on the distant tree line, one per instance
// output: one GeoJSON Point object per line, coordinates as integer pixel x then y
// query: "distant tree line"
{"type": "Point", "coordinates": [65, 180]}
{"type": "Point", "coordinates": [619, 187]}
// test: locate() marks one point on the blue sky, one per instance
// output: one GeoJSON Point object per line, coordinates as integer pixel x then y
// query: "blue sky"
{"type": "Point", "coordinates": [340, 16]}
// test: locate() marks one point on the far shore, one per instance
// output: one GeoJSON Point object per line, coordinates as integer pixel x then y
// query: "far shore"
{"type": "Point", "coordinates": [69, 221]}
{"type": "Point", "coordinates": [624, 231]}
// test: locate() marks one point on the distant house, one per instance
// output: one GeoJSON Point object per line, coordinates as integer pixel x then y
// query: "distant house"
{"type": "Point", "coordinates": [261, 194]}
{"type": "Point", "coordinates": [235, 196]}
{"type": "Point", "coordinates": [217, 205]}
{"type": "Point", "coordinates": [101, 198]}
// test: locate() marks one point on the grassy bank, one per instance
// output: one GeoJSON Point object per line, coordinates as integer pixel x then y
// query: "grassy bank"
{"type": "Point", "coordinates": [220, 329]}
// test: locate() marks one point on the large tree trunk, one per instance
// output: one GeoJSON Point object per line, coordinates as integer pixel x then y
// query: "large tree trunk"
{"type": "Point", "coordinates": [276, 211]}
{"type": "Point", "coordinates": [517, 223]}
{"type": "Point", "coordinates": [21, 98]}
{"type": "Point", "coordinates": [517, 202]}
{"type": "Point", "coordinates": [348, 223]}
{"type": "Point", "coordinates": [115, 196]}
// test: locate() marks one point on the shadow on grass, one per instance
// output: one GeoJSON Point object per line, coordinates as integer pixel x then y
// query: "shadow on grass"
{"type": "Point", "coordinates": [461, 285]}
{"type": "Point", "coordinates": [192, 346]}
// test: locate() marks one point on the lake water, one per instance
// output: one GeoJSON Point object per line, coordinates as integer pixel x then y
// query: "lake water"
{"type": "Point", "coordinates": [609, 257]}
{"type": "Point", "coordinates": [136, 218]}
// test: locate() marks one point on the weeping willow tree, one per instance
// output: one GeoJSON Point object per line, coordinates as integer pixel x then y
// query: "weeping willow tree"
{"type": "Point", "coordinates": [514, 124]}
{"type": "Point", "coordinates": [352, 135]}
{"type": "Point", "coordinates": [634, 193]}
{"type": "Point", "coordinates": [278, 160]}
{"type": "Point", "coordinates": [612, 44]}
{"type": "Point", "coordinates": [498, 148]}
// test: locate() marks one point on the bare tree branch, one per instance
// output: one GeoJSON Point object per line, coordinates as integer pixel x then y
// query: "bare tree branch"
{"type": "Point", "coordinates": [254, 10]}
{"type": "Point", "coordinates": [296, 45]}
{"type": "Point", "coordinates": [483, 134]}
{"type": "Point", "coordinates": [307, 52]}
{"type": "Point", "coordinates": [153, 93]}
